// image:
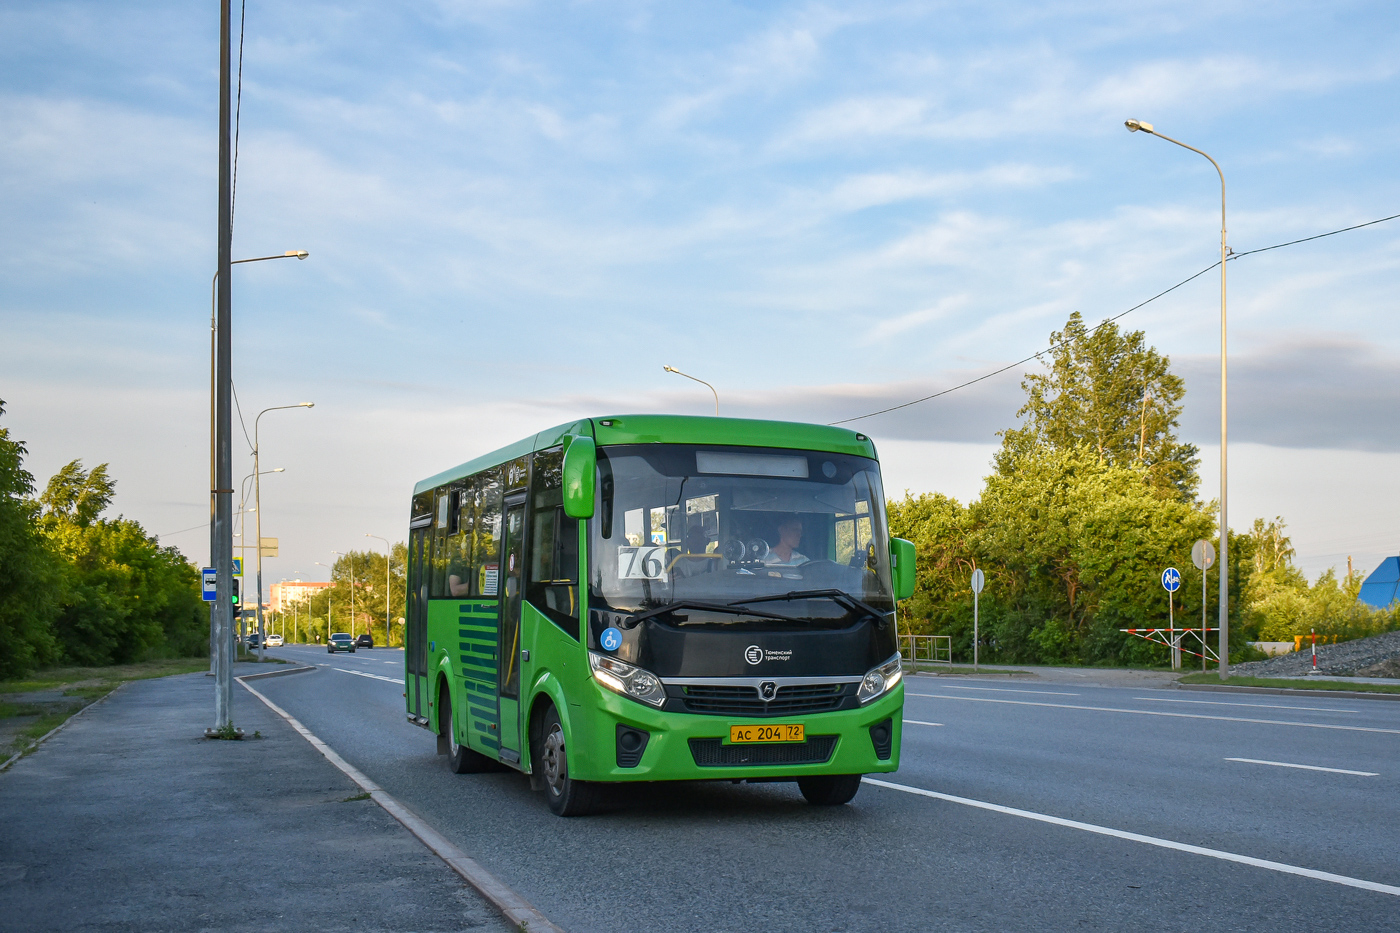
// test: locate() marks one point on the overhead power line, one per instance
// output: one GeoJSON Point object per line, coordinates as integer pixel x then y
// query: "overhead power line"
{"type": "Point", "coordinates": [1106, 321]}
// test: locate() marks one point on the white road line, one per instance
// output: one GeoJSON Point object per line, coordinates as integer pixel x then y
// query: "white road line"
{"type": "Point", "coordinates": [920, 722]}
{"type": "Point", "coordinates": [1285, 764]}
{"type": "Point", "coordinates": [1156, 712]}
{"type": "Point", "coordinates": [1049, 693]}
{"type": "Point", "coordinates": [371, 676]}
{"type": "Point", "coordinates": [1315, 709]}
{"type": "Point", "coordinates": [512, 906]}
{"type": "Point", "coordinates": [1146, 840]}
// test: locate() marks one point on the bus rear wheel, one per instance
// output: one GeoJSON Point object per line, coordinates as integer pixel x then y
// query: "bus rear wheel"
{"type": "Point", "coordinates": [566, 796]}
{"type": "Point", "coordinates": [460, 758]}
{"type": "Point", "coordinates": [829, 790]}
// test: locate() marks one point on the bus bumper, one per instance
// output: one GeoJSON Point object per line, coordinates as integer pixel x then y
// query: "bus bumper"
{"type": "Point", "coordinates": [693, 747]}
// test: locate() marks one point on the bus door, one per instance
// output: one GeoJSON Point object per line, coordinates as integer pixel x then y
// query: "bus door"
{"type": "Point", "coordinates": [513, 575]}
{"type": "Point", "coordinates": [416, 624]}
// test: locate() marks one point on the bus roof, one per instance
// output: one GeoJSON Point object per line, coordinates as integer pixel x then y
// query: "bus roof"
{"type": "Point", "coordinates": [609, 430]}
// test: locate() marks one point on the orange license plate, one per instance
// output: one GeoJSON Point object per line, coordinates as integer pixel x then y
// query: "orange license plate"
{"type": "Point", "coordinates": [785, 732]}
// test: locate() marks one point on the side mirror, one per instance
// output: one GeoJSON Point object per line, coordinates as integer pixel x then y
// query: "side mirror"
{"type": "Point", "coordinates": [902, 567]}
{"type": "Point", "coordinates": [580, 467]}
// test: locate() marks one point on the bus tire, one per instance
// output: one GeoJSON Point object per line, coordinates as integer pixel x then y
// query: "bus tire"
{"type": "Point", "coordinates": [566, 796]}
{"type": "Point", "coordinates": [460, 758]}
{"type": "Point", "coordinates": [829, 790]}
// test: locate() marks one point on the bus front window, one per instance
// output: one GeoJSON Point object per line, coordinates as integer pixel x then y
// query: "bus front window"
{"type": "Point", "coordinates": [800, 533]}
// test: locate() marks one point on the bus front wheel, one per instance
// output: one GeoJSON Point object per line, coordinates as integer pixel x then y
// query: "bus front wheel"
{"type": "Point", "coordinates": [460, 758]}
{"type": "Point", "coordinates": [566, 796]}
{"type": "Point", "coordinates": [829, 790]}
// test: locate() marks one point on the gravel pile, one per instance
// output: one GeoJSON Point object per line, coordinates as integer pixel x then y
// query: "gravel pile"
{"type": "Point", "coordinates": [1377, 656]}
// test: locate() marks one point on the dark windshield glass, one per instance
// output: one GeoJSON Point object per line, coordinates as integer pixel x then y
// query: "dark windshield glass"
{"type": "Point", "coordinates": [720, 524]}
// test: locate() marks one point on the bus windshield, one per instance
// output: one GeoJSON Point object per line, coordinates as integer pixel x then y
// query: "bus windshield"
{"type": "Point", "coordinates": [790, 534]}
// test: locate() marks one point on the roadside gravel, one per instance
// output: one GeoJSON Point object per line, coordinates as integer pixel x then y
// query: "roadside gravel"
{"type": "Point", "coordinates": [1377, 656]}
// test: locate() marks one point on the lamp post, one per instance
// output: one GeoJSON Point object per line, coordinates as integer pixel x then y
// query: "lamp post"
{"type": "Point", "coordinates": [672, 369]}
{"type": "Point", "coordinates": [329, 588]}
{"type": "Point", "coordinates": [1224, 565]}
{"type": "Point", "coordinates": [255, 476]}
{"type": "Point", "coordinates": [388, 559]}
{"type": "Point", "coordinates": [213, 429]}
{"type": "Point", "coordinates": [351, 559]}
{"type": "Point", "coordinates": [257, 496]}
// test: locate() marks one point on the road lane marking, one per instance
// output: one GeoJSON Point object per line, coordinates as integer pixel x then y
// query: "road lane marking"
{"type": "Point", "coordinates": [1285, 764]}
{"type": "Point", "coordinates": [512, 906]}
{"type": "Point", "coordinates": [1146, 840]}
{"type": "Point", "coordinates": [920, 722]}
{"type": "Point", "coordinates": [1315, 709]}
{"type": "Point", "coordinates": [1157, 712]}
{"type": "Point", "coordinates": [1049, 693]}
{"type": "Point", "coordinates": [371, 676]}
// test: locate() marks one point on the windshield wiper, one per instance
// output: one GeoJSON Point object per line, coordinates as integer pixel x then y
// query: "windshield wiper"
{"type": "Point", "coordinates": [728, 608]}
{"type": "Point", "coordinates": [838, 596]}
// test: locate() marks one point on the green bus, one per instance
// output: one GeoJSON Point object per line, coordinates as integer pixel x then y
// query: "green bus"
{"type": "Point", "coordinates": [660, 598]}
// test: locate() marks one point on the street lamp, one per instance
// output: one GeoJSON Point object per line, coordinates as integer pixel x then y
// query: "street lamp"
{"type": "Point", "coordinates": [351, 558]}
{"type": "Point", "coordinates": [257, 496]}
{"type": "Point", "coordinates": [672, 369]}
{"type": "Point", "coordinates": [388, 559]}
{"type": "Point", "coordinates": [220, 348]}
{"type": "Point", "coordinates": [1224, 565]}
{"type": "Point", "coordinates": [330, 618]}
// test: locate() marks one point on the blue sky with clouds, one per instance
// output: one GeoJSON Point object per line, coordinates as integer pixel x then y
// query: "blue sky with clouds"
{"type": "Point", "coordinates": [517, 213]}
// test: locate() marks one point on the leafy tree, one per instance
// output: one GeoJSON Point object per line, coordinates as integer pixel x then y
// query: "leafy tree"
{"type": "Point", "coordinates": [330, 609]}
{"type": "Point", "coordinates": [125, 597]}
{"type": "Point", "coordinates": [30, 573]}
{"type": "Point", "coordinates": [1110, 392]}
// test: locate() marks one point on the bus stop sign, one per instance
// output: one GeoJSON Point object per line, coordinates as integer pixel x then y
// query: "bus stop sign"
{"type": "Point", "coordinates": [209, 577]}
{"type": "Point", "coordinates": [1171, 579]}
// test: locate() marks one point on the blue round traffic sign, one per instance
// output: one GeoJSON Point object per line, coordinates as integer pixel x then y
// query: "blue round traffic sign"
{"type": "Point", "coordinates": [1171, 579]}
{"type": "Point", "coordinates": [611, 639]}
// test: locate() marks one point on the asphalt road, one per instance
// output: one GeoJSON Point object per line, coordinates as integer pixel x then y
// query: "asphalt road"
{"type": "Point", "coordinates": [1055, 806]}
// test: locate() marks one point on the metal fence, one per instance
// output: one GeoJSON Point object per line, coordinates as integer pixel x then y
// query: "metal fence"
{"type": "Point", "coordinates": [927, 649]}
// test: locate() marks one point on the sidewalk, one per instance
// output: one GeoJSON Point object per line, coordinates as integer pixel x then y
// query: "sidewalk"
{"type": "Point", "coordinates": [129, 819]}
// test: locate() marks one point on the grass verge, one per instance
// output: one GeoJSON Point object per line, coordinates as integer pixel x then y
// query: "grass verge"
{"type": "Point", "coordinates": [1290, 684]}
{"type": "Point", "coordinates": [67, 690]}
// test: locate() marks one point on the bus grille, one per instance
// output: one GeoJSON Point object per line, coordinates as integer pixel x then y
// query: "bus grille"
{"type": "Point", "coordinates": [737, 700]}
{"type": "Point", "coordinates": [713, 753]}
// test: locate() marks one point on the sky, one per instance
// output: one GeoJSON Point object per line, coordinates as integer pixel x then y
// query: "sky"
{"type": "Point", "coordinates": [517, 213]}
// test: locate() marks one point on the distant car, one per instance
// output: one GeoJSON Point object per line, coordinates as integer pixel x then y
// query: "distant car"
{"type": "Point", "coordinates": [252, 641]}
{"type": "Point", "coordinates": [364, 641]}
{"type": "Point", "coordinates": [340, 641]}
{"type": "Point", "coordinates": [274, 641]}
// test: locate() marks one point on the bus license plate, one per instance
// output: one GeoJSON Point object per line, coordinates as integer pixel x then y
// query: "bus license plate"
{"type": "Point", "coordinates": [786, 732]}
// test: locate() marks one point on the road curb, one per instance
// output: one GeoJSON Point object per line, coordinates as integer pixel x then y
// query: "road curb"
{"type": "Point", "coordinates": [58, 728]}
{"type": "Point", "coordinates": [501, 896]}
{"type": "Point", "coordinates": [1288, 692]}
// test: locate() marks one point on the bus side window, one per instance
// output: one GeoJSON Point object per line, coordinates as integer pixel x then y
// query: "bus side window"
{"type": "Point", "coordinates": [551, 584]}
{"type": "Point", "coordinates": [460, 526]}
{"type": "Point", "coordinates": [437, 580]}
{"type": "Point", "coordinates": [488, 503]}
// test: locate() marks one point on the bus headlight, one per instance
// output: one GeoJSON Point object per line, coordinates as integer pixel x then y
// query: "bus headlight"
{"type": "Point", "coordinates": [623, 678]}
{"type": "Point", "coordinates": [881, 680]}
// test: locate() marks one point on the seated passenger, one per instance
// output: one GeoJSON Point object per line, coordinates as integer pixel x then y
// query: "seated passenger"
{"type": "Point", "coordinates": [785, 553]}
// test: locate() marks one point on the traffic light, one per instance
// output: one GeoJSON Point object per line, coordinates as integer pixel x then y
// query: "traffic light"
{"type": "Point", "coordinates": [235, 590]}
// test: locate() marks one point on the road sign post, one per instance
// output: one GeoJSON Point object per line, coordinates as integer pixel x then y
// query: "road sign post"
{"type": "Point", "coordinates": [1171, 582]}
{"type": "Point", "coordinates": [1203, 556]}
{"type": "Point", "coordinates": [979, 579]}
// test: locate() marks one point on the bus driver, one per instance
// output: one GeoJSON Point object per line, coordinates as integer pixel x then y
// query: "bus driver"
{"type": "Point", "coordinates": [785, 553]}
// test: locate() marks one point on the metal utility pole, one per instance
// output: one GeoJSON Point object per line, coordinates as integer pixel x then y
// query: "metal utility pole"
{"type": "Point", "coordinates": [1224, 572]}
{"type": "Point", "coordinates": [388, 561]}
{"type": "Point", "coordinates": [222, 492]}
{"type": "Point", "coordinates": [257, 505]}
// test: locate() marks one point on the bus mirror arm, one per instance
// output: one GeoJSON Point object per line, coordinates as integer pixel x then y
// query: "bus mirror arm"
{"type": "Point", "coordinates": [580, 469]}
